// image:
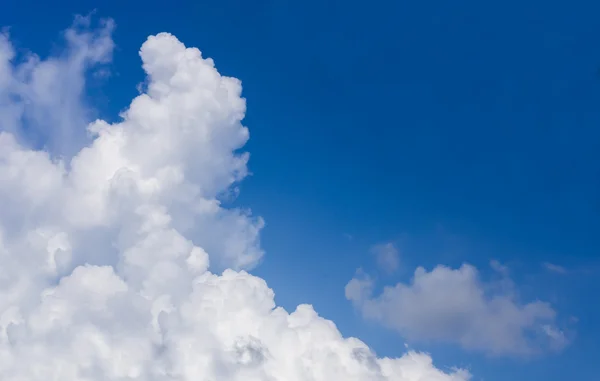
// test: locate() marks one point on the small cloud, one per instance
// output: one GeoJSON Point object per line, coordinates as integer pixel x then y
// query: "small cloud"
{"type": "Point", "coordinates": [457, 306]}
{"type": "Point", "coordinates": [557, 337]}
{"type": "Point", "coordinates": [360, 287]}
{"type": "Point", "coordinates": [102, 73]}
{"type": "Point", "coordinates": [348, 236]}
{"type": "Point", "coordinates": [554, 268]}
{"type": "Point", "coordinates": [499, 267]}
{"type": "Point", "coordinates": [387, 256]}
{"type": "Point", "coordinates": [573, 319]}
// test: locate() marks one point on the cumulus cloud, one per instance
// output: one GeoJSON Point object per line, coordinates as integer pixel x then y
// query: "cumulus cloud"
{"type": "Point", "coordinates": [387, 256]}
{"type": "Point", "coordinates": [120, 262]}
{"type": "Point", "coordinates": [455, 306]}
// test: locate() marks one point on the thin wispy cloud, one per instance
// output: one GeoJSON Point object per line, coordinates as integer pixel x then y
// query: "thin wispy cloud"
{"type": "Point", "coordinates": [387, 257]}
{"type": "Point", "coordinates": [499, 267]}
{"type": "Point", "coordinates": [554, 268]}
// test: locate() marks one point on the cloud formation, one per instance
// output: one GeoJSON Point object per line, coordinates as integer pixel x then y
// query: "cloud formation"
{"type": "Point", "coordinates": [106, 256]}
{"type": "Point", "coordinates": [455, 306]}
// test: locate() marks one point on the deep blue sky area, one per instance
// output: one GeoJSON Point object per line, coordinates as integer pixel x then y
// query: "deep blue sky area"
{"type": "Point", "coordinates": [462, 131]}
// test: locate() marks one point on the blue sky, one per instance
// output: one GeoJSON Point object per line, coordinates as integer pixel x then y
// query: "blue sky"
{"type": "Point", "coordinates": [459, 132]}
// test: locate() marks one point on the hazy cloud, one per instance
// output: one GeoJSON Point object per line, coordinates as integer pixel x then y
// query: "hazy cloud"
{"type": "Point", "coordinates": [387, 257]}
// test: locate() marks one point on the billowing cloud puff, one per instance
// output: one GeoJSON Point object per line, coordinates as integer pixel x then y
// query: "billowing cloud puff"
{"type": "Point", "coordinates": [455, 306]}
{"type": "Point", "coordinates": [106, 253]}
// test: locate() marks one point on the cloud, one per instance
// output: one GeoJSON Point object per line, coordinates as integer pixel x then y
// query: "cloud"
{"type": "Point", "coordinates": [499, 267]}
{"type": "Point", "coordinates": [455, 306]}
{"type": "Point", "coordinates": [46, 96]}
{"type": "Point", "coordinates": [106, 255]}
{"type": "Point", "coordinates": [554, 268]}
{"type": "Point", "coordinates": [387, 257]}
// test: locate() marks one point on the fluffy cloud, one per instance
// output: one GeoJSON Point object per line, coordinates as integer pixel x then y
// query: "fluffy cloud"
{"type": "Point", "coordinates": [455, 306]}
{"type": "Point", "coordinates": [106, 255]}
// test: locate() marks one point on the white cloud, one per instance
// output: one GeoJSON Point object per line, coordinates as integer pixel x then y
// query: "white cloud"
{"type": "Point", "coordinates": [387, 256]}
{"type": "Point", "coordinates": [455, 306]}
{"type": "Point", "coordinates": [105, 256]}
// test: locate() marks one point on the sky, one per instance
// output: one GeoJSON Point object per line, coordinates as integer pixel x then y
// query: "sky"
{"type": "Point", "coordinates": [423, 174]}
